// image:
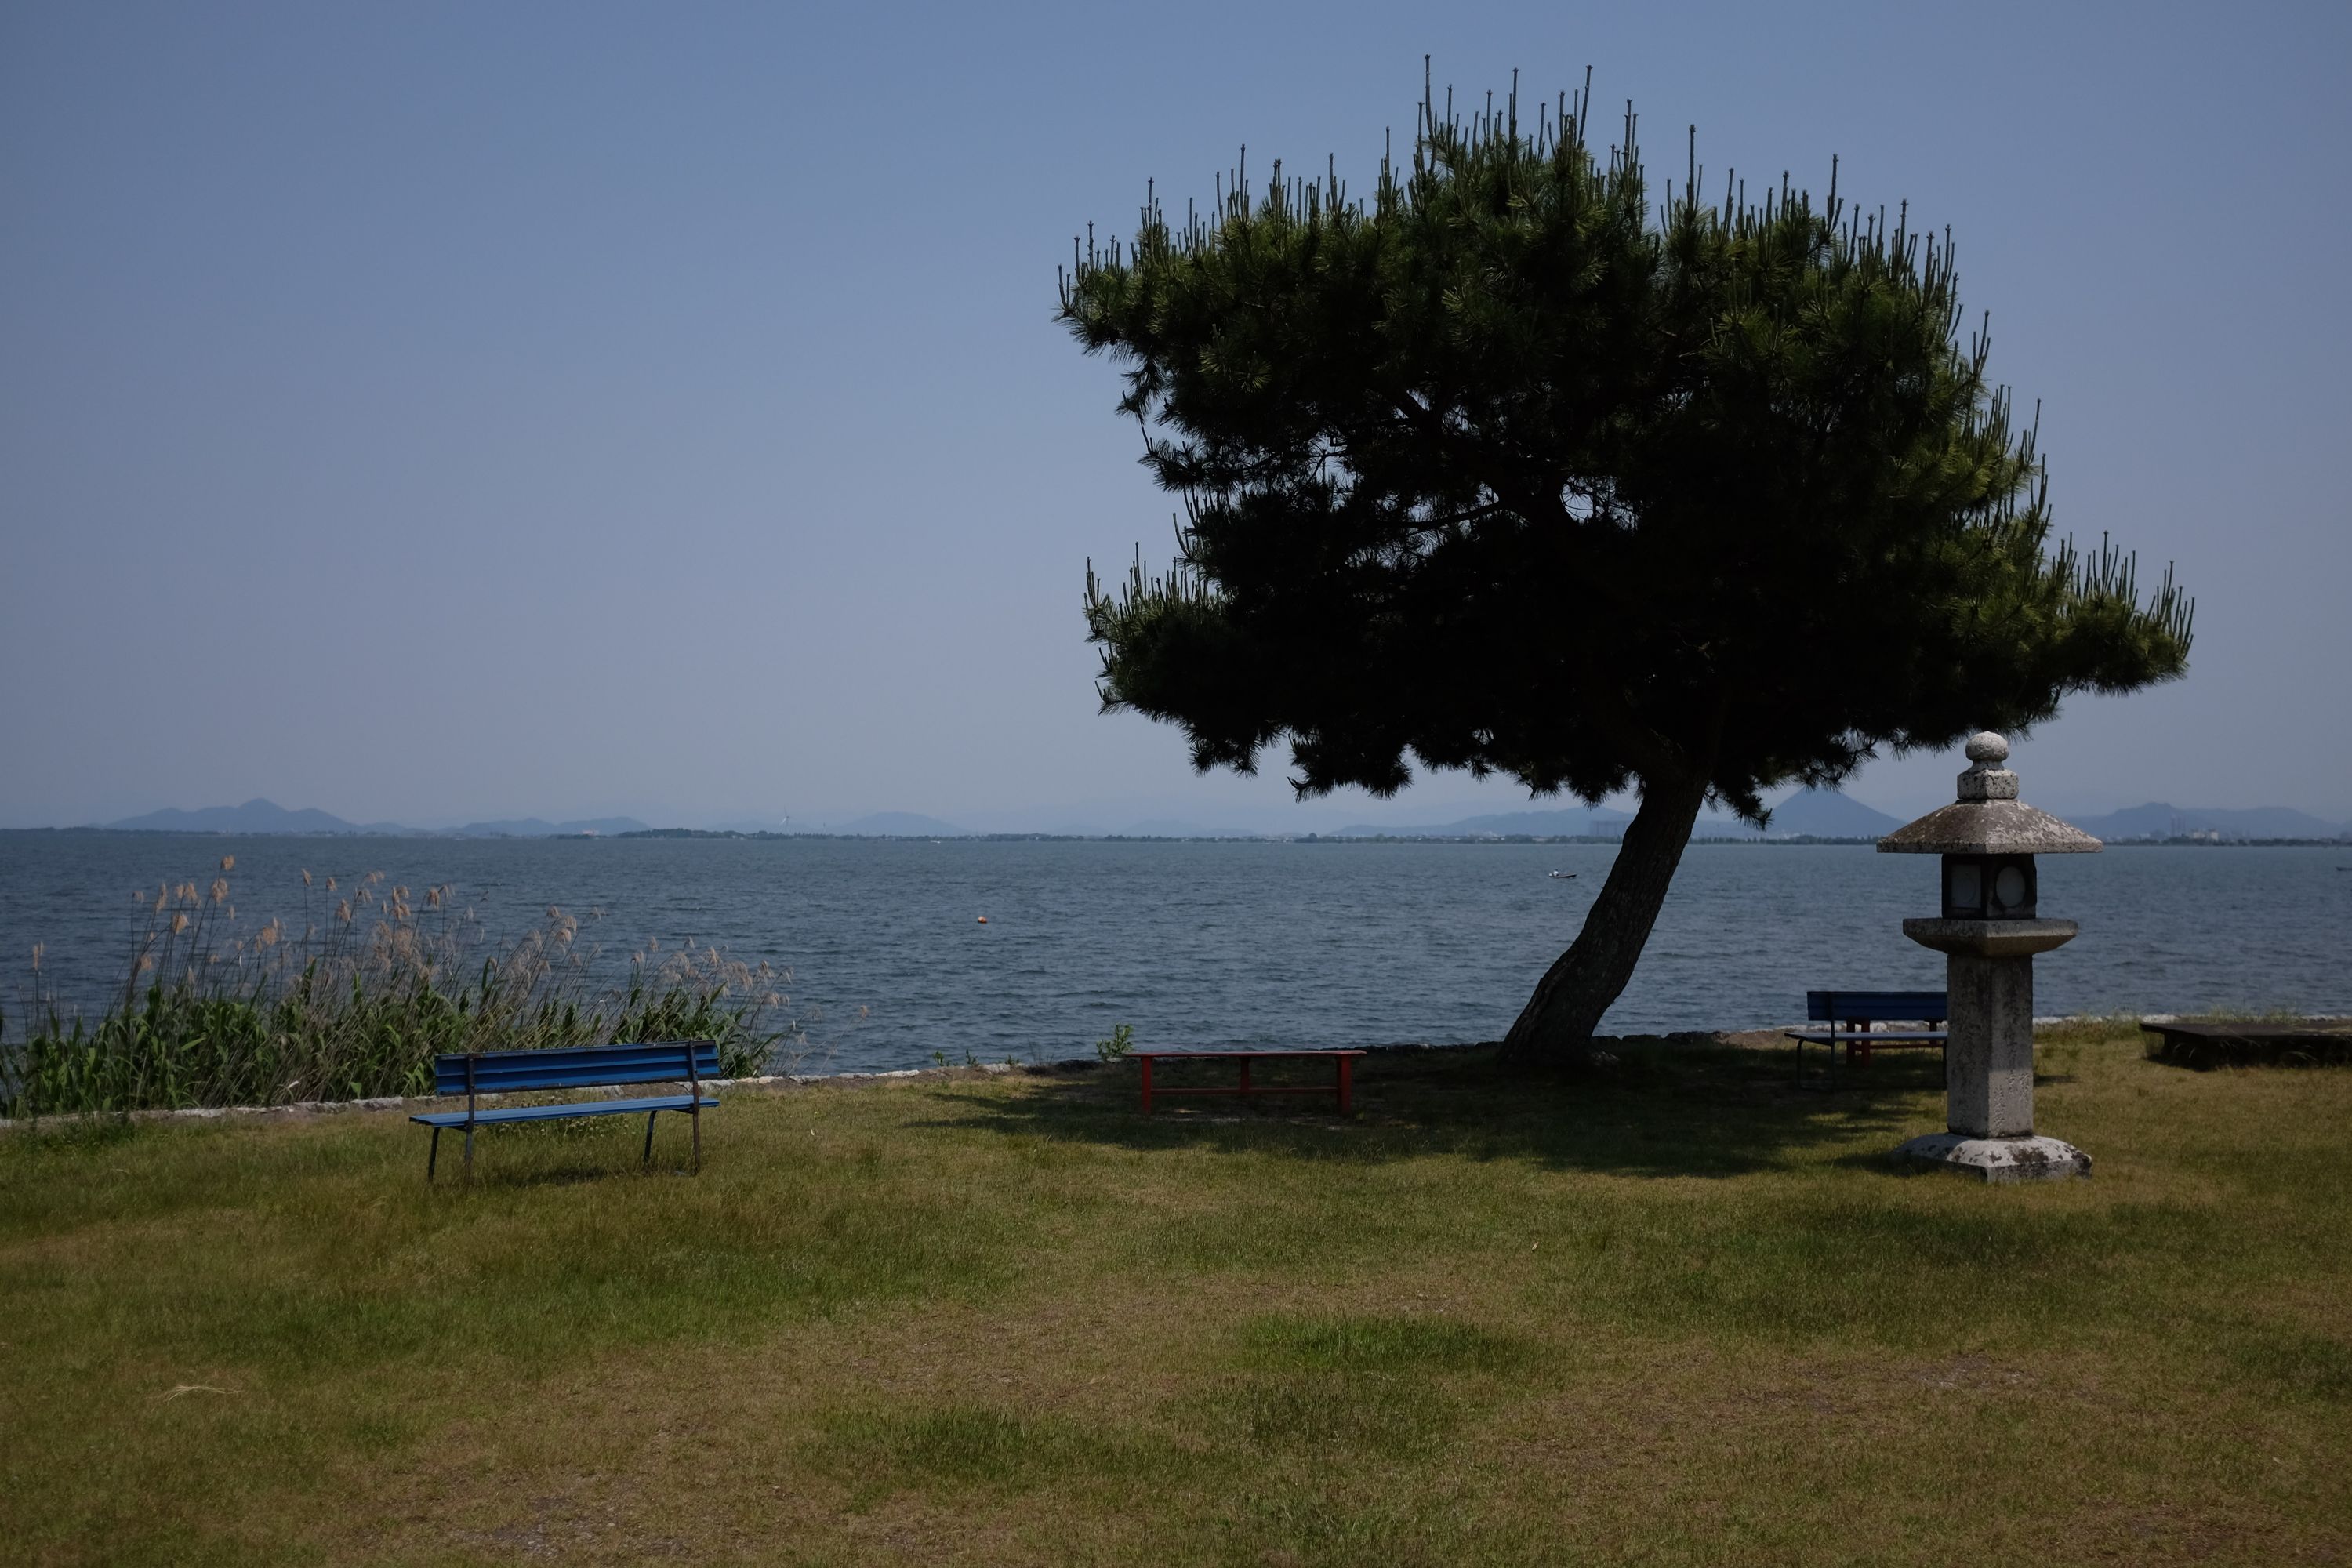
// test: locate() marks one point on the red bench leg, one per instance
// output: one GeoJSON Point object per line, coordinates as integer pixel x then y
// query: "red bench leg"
{"type": "Point", "coordinates": [1245, 1082]}
{"type": "Point", "coordinates": [1146, 1065]}
{"type": "Point", "coordinates": [1347, 1066]}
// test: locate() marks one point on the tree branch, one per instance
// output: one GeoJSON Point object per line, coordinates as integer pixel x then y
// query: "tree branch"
{"type": "Point", "coordinates": [1480, 465]}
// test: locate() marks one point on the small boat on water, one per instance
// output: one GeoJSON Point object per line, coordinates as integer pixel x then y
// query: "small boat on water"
{"type": "Point", "coordinates": [1562, 875]}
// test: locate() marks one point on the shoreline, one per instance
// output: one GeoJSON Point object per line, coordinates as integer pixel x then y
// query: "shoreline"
{"type": "Point", "coordinates": [1762, 1035]}
{"type": "Point", "coordinates": [1789, 841]}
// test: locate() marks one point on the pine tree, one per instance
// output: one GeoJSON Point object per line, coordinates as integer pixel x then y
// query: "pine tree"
{"type": "Point", "coordinates": [1511, 471]}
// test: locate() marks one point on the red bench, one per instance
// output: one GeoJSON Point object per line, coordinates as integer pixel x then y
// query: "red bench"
{"type": "Point", "coordinates": [1343, 1082]}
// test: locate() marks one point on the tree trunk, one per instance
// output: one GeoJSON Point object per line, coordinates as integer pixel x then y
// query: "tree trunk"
{"type": "Point", "coordinates": [1585, 980]}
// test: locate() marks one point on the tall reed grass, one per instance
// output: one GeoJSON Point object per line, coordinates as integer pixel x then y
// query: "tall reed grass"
{"type": "Point", "coordinates": [215, 1012]}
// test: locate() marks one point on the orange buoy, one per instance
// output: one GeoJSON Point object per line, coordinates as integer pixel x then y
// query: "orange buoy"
{"type": "Point", "coordinates": [983, 920]}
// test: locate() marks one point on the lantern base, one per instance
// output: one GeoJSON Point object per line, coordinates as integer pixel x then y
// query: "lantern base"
{"type": "Point", "coordinates": [1997, 1159]}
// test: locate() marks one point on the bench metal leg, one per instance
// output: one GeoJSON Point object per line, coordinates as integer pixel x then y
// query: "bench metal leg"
{"type": "Point", "coordinates": [469, 1151]}
{"type": "Point", "coordinates": [435, 1156]}
{"type": "Point", "coordinates": [697, 1114]}
{"type": "Point", "coordinates": [1347, 1081]}
{"type": "Point", "coordinates": [1146, 1065]}
{"type": "Point", "coordinates": [650, 1135]}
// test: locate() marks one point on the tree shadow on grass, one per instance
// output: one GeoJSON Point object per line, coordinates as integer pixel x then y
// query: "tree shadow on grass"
{"type": "Point", "coordinates": [1666, 1109]}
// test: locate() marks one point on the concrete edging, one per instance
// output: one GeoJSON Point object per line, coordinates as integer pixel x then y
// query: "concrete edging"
{"type": "Point", "coordinates": [801, 1080]}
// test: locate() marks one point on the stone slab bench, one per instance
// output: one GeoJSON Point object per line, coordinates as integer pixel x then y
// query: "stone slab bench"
{"type": "Point", "coordinates": [2246, 1041]}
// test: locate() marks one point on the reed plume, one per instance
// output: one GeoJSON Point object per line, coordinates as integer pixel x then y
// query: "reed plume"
{"type": "Point", "coordinates": [210, 1013]}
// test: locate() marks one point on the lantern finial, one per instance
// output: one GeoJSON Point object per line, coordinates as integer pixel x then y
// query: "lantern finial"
{"type": "Point", "coordinates": [1985, 778]}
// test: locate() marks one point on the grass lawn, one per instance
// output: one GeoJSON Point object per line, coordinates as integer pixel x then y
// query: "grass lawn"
{"type": "Point", "coordinates": [1682, 1314]}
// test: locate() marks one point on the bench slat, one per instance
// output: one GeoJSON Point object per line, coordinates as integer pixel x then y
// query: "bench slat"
{"type": "Point", "coordinates": [1204, 1054]}
{"type": "Point", "coordinates": [1161, 1091]}
{"type": "Point", "coordinates": [575, 1066]}
{"type": "Point", "coordinates": [557, 1112]}
{"type": "Point", "coordinates": [1833, 1006]}
{"type": "Point", "coordinates": [1871, 1039]}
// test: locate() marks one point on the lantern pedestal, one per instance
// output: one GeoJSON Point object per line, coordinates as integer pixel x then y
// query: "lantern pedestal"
{"type": "Point", "coordinates": [1988, 1058]}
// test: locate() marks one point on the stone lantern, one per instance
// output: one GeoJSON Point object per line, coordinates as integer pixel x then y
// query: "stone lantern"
{"type": "Point", "coordinates": [1988, 931]}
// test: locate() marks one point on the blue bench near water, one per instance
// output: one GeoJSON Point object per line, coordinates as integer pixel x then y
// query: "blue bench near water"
{"type": "Point", "coordinates": [478, 1073]}
{"type": "Point", "coordinates": [1851, 1017]}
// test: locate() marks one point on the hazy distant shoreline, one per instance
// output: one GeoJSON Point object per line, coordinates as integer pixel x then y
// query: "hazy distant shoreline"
{"type": "Point", "coordinates": [1789, 841]}
{"type": "Point", "coordinates": [1804, 816]}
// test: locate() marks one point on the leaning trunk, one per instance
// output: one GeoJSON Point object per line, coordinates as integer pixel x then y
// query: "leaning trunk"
{"type": "Point", "coordinates": [1587, 979]}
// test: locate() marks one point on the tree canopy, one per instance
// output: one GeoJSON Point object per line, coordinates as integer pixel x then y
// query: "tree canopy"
{"type": "Point", "coordinates": [1508, 468]}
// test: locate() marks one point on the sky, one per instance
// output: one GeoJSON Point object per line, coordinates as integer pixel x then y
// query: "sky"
{"type": "Point", "coordinates": [437, 413]}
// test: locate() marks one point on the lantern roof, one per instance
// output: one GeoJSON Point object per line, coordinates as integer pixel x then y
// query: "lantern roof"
{"type": "Point", "coordinates": [1989, 819]}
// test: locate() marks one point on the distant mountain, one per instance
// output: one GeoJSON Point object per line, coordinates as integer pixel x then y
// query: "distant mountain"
{"type": "Point", "coordinates": [1807, 814]}
{"type": "Point", "coordinates": [255, 815]}
{"type": "Point", "coordinates": [2160, 819]}
{"type": "Point", "coordinates": [1829, 814]}
{"type": "Point", "coordinates": [534, 827]}
{"type": "Point", "coordinates": [898, 825]}
{"type": "Point", "coordinates": [262, 816]}
{"type": "Point", "coordinates": [1575, 823]}
{"type": "Point", "coordinates": [1544, 824]}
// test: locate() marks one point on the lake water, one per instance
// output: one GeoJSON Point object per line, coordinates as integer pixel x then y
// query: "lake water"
{"type": "Point", "coordinates": [1194, 944]}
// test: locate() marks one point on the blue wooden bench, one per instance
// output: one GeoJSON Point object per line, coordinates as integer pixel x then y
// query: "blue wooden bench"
{"type": "Point", "coordinates": [1850, 1015]}
{"type": "Point", "coordinates": [478, 1073]}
